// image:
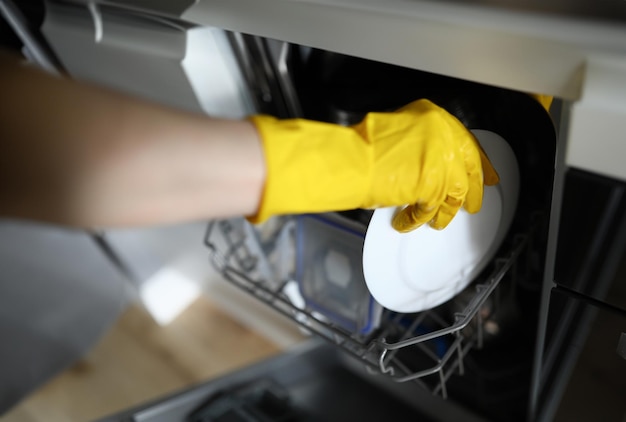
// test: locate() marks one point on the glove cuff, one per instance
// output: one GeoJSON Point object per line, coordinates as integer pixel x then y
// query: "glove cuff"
{"type": "Point", "coordinates": [311, 167]}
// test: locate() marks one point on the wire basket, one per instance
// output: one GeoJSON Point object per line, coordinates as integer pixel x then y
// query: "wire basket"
{"type": "Point", "coordinates": [426, 347]}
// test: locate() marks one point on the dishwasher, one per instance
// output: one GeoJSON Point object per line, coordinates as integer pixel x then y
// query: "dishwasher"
{"type": "Point", "coordinates": [474, 350]}
{"type": "Point", "coordinates": [505, 346]}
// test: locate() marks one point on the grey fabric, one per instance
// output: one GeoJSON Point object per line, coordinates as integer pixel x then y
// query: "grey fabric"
{"type": "Point", "coordinates": [144, 251]}
{"type": "Point", "coordinates": [58, 295]}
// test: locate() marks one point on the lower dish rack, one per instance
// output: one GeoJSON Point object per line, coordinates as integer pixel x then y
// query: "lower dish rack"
{"type": "Point", "coordinates": [426, 347]}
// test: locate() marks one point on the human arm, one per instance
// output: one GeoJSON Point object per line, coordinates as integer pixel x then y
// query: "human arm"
{"type": "Point", "coordinates": [79, 155]}
{"type": "Point", "coordinates": [82, 156]}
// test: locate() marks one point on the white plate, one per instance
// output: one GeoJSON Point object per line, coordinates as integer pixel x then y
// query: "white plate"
{"type": "Point", "coordinates": [411, 272]}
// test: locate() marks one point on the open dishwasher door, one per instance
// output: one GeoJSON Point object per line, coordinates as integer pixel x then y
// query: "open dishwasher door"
{"type": "Point", "coordinates": [313, 382]}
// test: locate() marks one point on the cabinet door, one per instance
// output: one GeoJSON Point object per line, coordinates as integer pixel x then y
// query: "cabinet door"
{"type": "Point", "coordinates": [582, 370]}
{"type": "Point", "coordinates": [592, 237]}
{"type": "Point", "coordinates": [586, 374]}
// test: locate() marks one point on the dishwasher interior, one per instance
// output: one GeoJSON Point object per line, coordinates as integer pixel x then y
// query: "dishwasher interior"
{"type": "Point", "coordinates": [475, 349]}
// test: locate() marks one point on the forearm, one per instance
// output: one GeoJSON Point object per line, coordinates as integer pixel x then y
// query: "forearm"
{"type": "Point", "coordinates": [78, 155]}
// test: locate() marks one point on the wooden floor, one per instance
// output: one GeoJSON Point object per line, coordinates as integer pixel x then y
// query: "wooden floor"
{"type": "Point", "coordinates": [138, 361]}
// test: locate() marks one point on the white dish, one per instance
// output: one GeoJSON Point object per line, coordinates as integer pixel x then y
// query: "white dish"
{"type": "Point", "coordinates": [412, 272]}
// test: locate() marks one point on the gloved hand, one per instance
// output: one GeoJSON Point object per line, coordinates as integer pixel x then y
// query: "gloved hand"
{"type": "Point", "coordinates": [419, 155]}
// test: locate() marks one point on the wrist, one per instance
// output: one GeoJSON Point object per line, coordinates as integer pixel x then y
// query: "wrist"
{"type": "Point", "coordinates": [311, 167]}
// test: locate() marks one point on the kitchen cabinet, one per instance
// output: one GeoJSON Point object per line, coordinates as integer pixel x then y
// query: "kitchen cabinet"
{"type": "Point", "coordinates": [591, 239]}
{"type": "Point", "coordinates": [591, 360]}
{"type": "Point", "coordinates": [587, 304]}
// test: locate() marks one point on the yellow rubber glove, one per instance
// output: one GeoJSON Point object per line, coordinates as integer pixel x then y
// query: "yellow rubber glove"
{"type": "Point", "coordinates": [418, 155]}
{"type": "Point", "coordinates": [544, 100]}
